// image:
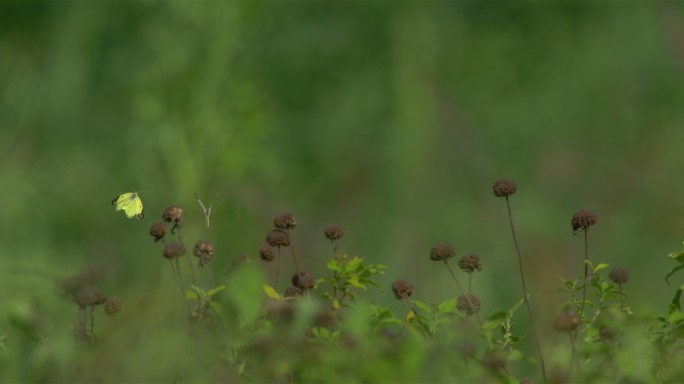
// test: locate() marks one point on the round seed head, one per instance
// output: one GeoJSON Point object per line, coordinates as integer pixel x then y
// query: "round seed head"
{"type": "Point", "coordinates": [470, 263]}
{"type": "Point", "coordinates": [402, 289]}
{"type": "Point", "coordinates": [113, 306]}
{"type": "Point", "coordinates": [278, 238]}
{"type": "Point", "coordinates": [86, 297]}
{"type": "Point", "coordinates": [173, 250]}
{"type": "Point", "coordinates": [173, 214]}
{"type": "Point", "coordinates": [158, 230]}
{"type": "Point", "coordinates": [566, 322]}
{"type": "Point", "coordinates": [468, 303]}
{"type": "Point", "coordinates": [100, 297]}
{"type": "Point", "coordinates": [293, 292]}
{"type": "Point", "coordinates": [266, 253]}
{"type": "Point", "coordinates": [285, 221]}
{"type": "Point", "coordinates": [583, 219]}
{"type": "Point", "coordinates": [334, 232]}
{"type": "Point", "coordinates": [442, 252]}
{"type": "Point", "coordinates": [619, 275]}
{"type": "Point", "coordinates": [304, 280]}
{"type": "Point", "coordinates": [205, 251]}
{"type": "Point", "coordinates": [504, 187]}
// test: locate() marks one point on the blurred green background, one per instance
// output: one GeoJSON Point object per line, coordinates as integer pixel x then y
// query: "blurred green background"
{"type": "Point", "coordinates": [392, 119]}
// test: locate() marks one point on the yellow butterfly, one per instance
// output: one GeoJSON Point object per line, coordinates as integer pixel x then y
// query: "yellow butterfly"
{"type": "Point", "coordinates": [131, 204]}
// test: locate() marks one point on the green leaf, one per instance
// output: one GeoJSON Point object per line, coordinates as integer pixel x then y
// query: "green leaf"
{"type": "Point", "coordinates": [271, 292]}
{"type": "Point", "coordinates": [355, 283]}
{"type": "Point", "coordinates": [678, 256]}
{"type": "Point", "coordinates": [216, 290]}
{"type": "Point", "coordinates": [600, 267]}
{"type": "Point", "coordinates": [192, 295]}
{"type": "Point", "coordinates": [447, 306]}
{"type": "Point", "coordinates": [334, 265]}
{"type": "Point", "coordinates": [423, 307]}
{"type": "Point", "coordinates": [498, 315]}
{"type": "Point", "coordinates": [353, 264]}
{"type": "Point", "coordinates": [675, 317]}
{"type": "Point", "coordinates": [675, 305]}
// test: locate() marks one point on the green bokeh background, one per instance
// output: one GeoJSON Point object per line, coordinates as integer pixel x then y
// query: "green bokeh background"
{"type": "Point", "coordinates": [392, 119]}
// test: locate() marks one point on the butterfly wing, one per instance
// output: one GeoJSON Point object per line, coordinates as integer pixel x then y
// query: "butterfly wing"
{"type": "Point", "coordinates": [131, 204]}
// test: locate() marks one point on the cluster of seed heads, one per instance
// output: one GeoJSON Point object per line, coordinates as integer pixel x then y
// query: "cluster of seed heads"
{"type": "Point", "coordinates": [583, 219]}
{"type": "Point", "coordinates": [442, 252]}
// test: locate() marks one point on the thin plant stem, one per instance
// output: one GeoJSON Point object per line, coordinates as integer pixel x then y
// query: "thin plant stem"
{"type": "Point", "coordinates": [524, 289]}
{"type": "Point", "coordinates": [584, 298]}
{"type": "Point", "coordinates": [211, 275]}
{"type": "Point", "coordinates": [277, 270]}
{"type": "Point", "coordinates": [462, 291]}
{"type": "Point", "coordinates": [92, 320]}
{"type": "Point", "coordinates": [294, 257]}
{"type": "Point", "coordinates": [175, 277]}
{"type": "Point", "coordinates": [192, 268]}
{"type": "Point", "coordinates": [470, 282]}
{"type": "Point", "coordinates": [622, 304]}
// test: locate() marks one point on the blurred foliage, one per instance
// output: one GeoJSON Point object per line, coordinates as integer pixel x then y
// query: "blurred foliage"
{"type": "Point", "coordinates": [389, 118]}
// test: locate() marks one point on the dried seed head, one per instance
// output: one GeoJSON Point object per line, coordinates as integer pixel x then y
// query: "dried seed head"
{"type": "Point", "coordinates": [470, 263]}
{"type": "Point", "coordinates": [285, 221]}
{"type": "Point", "coordinates": [402, 289]}
{"type": "Point", "coordinates": [334, 232]}
{"type": "Point", "coordinates": [442, 252]}
{"type": "Point", "coordinates": [493, 362]}
{"type": "Point", "coordinates": [113, 306]}
{"type": "Point", "coordinates": [100, 297]}
{"type": "Point", "coordinates": [468, 303]}
{"type": "Point", "coordinates": [583, 219]}
{"type": "Point", "coordinates": [566, 322]}
{"type": "Point", "coordinates": [325, 319]}
{"type": "Point", "coordinates": [205, 251]}
{"type": "Point", "coordinates": [173, 214]}
{"type": "Point", "coordinates": [304, 280]}
{"type": "Point", "coordinates": [158, 230]}
{"type": "Point", "coordinates": [86, 297]}
{"type": "Point", "coordinates": [504, 187]}
{"type": "Point", "coordinates": [278, 238]}
{"type": "Point", "coordinates": [293, 292]}
{"type": "Point", "coordinates": [266, 253]}
{"type": "Point", "coordinates": [619, 275]}
{"type": "Point", "coordinates": [173, 250]}
{"type": "Point", "coordinates": [607, 334]}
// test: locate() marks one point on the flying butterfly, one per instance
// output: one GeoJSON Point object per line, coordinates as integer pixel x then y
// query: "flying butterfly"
{"type": "Point", "coordinates": [131, 204]}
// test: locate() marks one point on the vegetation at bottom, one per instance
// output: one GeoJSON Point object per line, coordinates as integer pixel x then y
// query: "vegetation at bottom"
{"type": "Point", "coordinates": [268, 319]}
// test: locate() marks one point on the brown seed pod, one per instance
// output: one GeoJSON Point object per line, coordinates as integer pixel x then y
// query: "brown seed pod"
{"type": "Point", "coordinates": [293, 292]}
{"type": "Point", "coordinates": [334, 232]}
{"type": "Point", "coordinates": [583, 219]}
{"type": "Point", "coordinates": [304, 280]}
{"type": "Point", "coordinates": [113, 306]}
{"type": "Point", "coordinates": [86, 297]}
{"type": "Point", "coordinates": [173, 213]}
{"type": "Point", "coordinates": [266, 253]}
{"type": "Point", "coordinates": [468, 303]}
{"type": "Point", "coordinates": [402, 289]}
{"type": "Point", "coordinates": [205, 251]}
{"type": "Point", "coordinates": [285, 221]}
{"type": "Point", "coordinates": [470, 263]}
{"type": "Point", "coordinates": [442, 252]}
{"type": "Point", "coordinates": [158, 230]}
{"type": "Point", "coordinates": [504, 187]}
{"type": "Point", "coordinates": [278, 238]}
{"type": "Point", "coordinates": [566, 322]}
{"type": "Point", "coordinates": [173, 250]}
{"type": "Point", "coordinates": [619, 275]}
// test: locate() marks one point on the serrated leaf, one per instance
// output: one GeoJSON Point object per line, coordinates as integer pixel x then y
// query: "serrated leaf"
{"type": "Point", "coordinates": [334, 265]}
{"type": "Point", "coordinates": [271, 292]}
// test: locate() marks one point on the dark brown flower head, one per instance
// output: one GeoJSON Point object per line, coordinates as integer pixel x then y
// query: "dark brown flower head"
{"type": "Point", "coordinates": [493, 362]}
{"type": "Point", "coordinates": [468, 303]}
{"type": "Point", "coordinates": [470, 263]}
{"type": "Point", "coordinates": [304, 280]}
{"type": "Point", "coordinates": [158, 230]}
{"type": "Point", "coordinates": [442, 252]}
{"type": "Point", "coordinates": [266, 253]}
{"type": "Point", "coordinates": [334, 232]}
{"type": "Point", "coordinates": [566, 322]}
{"type": "Point", "coordinates": [293, 292]}
{"type": "Point", "coordinates": [113, 306]}
{"type": "Point", "coordinates": [173, 214]}
{"type": "Point", "coordinates": [278, 238]}
{"type": "Point", "coordinates": [285, 221]}
{"type": "Point", "coordinates": [619, 275]}
{"type": "Point", "coordinates": [100, 297]}
{"type": "Point", "coordinates": [86, 297]}
{"type": "Point", "coordinates": [583, 219]}
{"type": "Point", "coordinates": [173, 250]}
{"type": "Point", "coordinates": [504, 187]}
{"type": "Point", "coordinates": [402, 289]}
{"type": "Point", "coordinates": [205, 251]}
{"type": "Point", "coordinates": [607, 334]}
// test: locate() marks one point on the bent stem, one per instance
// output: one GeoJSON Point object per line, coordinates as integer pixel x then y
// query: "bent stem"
{"type": "Point", "coordinates": [524, 289]}
{"type": "Point", "coordinates": [462, 291]}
